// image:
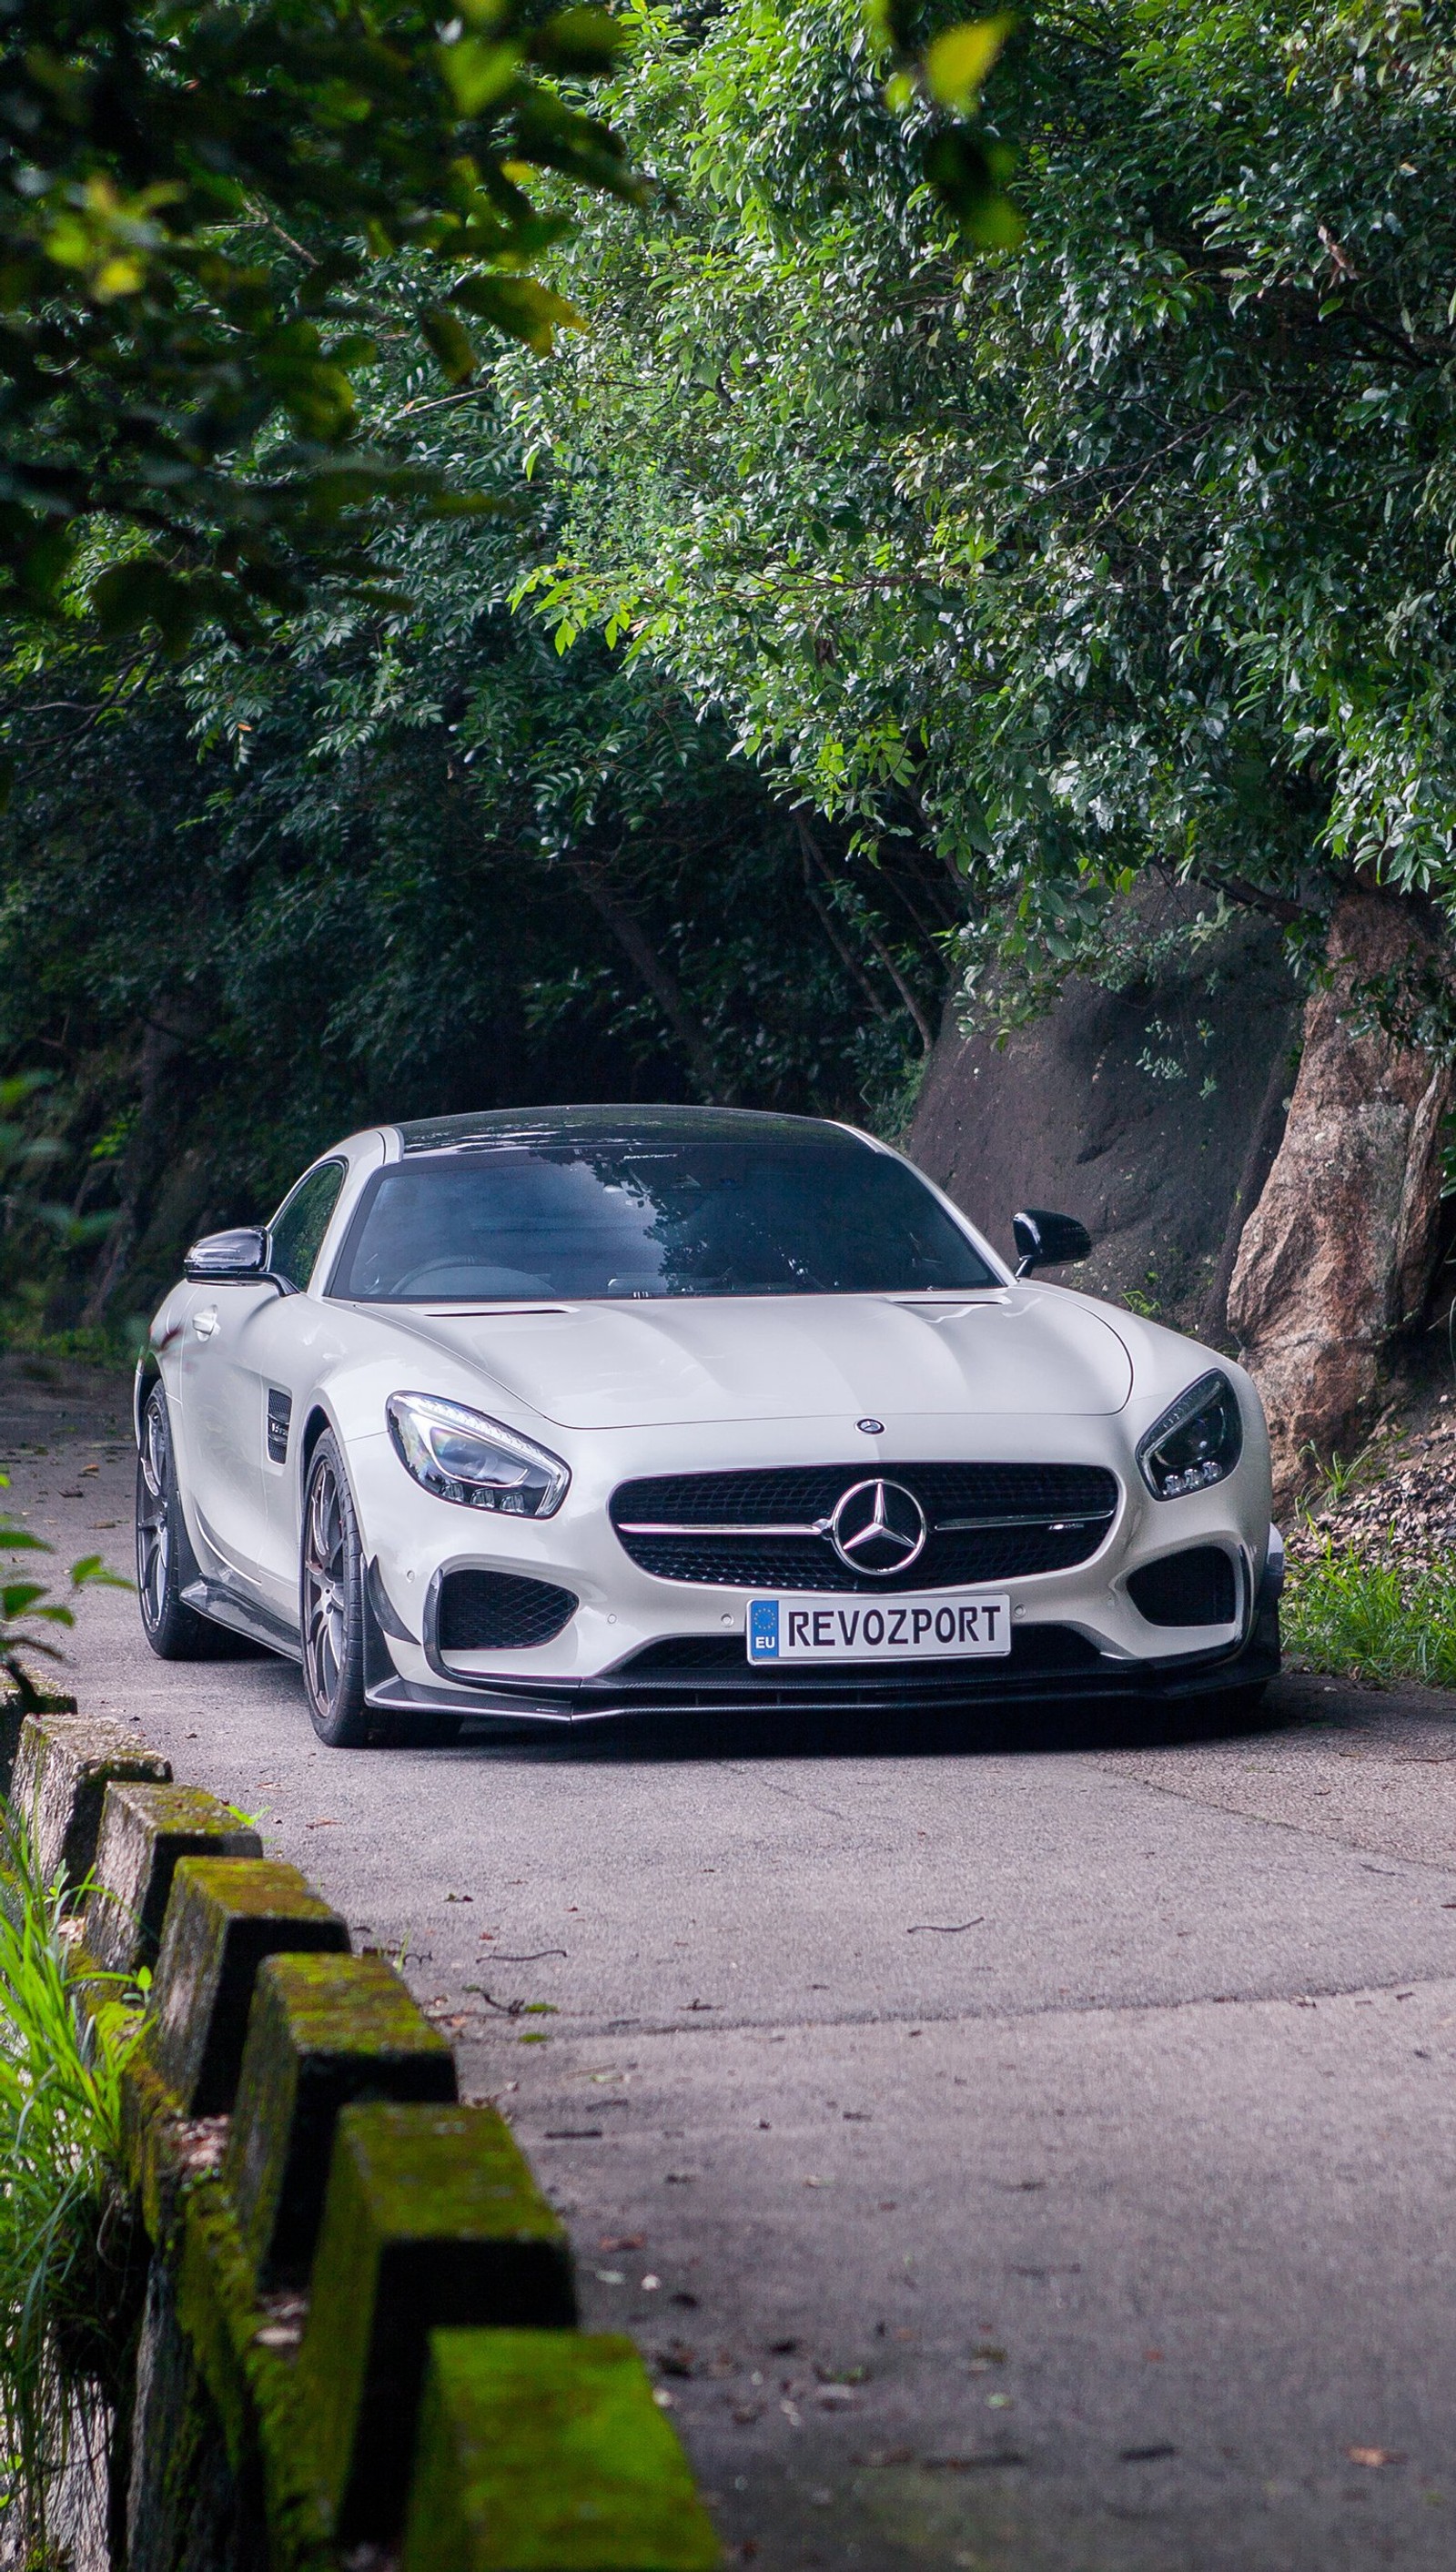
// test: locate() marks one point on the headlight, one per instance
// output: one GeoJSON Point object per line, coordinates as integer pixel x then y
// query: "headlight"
{"type": "Point", "coordinates": [460, 1456]}
{"type": "Point", "coordinates": [1198, 1440]}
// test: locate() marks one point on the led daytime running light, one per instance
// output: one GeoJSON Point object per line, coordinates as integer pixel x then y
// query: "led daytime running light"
{"type": "Point", "coordinates": [1197, 1441]}
{"type": "Point", "coordinates": [458, 1455]}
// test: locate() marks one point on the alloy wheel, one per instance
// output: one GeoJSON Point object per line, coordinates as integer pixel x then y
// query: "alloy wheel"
{"type": "Point", "coordinates": [325, 1600]}
{"type": "Point", "coordinates": [154, 1525]}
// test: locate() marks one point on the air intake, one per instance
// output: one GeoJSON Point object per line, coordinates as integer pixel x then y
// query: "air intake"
{"type": "Point", "coordinates": [1193, 1589]}
{"type": "Point", "coordinates": [498, 1611]}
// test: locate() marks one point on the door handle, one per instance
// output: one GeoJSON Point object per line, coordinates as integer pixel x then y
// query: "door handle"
{"type": "Point", "coordinates": [206, 1323]}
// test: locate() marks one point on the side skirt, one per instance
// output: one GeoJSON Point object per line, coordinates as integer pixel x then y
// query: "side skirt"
{"type": "Point", "coordinates": [224, 1606]}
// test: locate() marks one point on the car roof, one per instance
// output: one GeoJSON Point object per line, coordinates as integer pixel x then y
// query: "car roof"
{"type": "Point", "coordinates": [628, 1126]}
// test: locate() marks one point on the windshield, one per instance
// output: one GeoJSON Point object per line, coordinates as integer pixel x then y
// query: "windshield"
{"type": "Point", "coordinates": [822, 1216]}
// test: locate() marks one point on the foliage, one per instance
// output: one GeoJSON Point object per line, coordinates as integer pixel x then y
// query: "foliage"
{"type": "Point", "coordinates": [965, 161]}
{"type": "Point", "coordinates": [210, 218]}
{"type": "Point", "coordinates": [1131, 550]}
{"type": "Point", "coordinates": [27, 1605]}
{"type": "Point", "coordinates": [397, 861]}
{"type": "Point", "coordinates": [1366, 1621]}
{"type": "Point", "coordinates": [65, 2267]}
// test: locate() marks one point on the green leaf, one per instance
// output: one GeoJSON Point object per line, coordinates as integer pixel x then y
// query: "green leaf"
{"type": "Point", "coordinates": [960, 167]}
{"type": "Point", "coordinates": [451, 342]}
{"type": "Point", "coordinates": [144, 592]}
{"type": "Point", "coordinates": [583, 41]}
{"type": "Point", "coordinates": [520, 306]}
{"type": "Point", "coordinates": [478, 72]}
{"type": "Point", "coordinates": [957, 62]}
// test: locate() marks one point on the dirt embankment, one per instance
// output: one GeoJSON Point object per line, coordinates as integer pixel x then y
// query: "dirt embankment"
{"type": "Point", "coordinates": [1400, 1509]}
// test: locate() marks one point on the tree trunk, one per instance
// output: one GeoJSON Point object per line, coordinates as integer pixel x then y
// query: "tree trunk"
{"type": "Point", "coordinates": [1338, 1254]}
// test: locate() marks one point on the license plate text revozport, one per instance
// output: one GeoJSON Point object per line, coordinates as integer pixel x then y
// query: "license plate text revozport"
{"type": "Point", "coordinates": [931, 1628]}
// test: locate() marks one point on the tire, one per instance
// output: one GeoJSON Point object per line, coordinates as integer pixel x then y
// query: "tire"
{"type": "Point", "coordinates": [331, 1606]}
{"type": "Point", "coordinates": [165, 1559]}
{"type": "Point", "coordinates": [331, 1612]}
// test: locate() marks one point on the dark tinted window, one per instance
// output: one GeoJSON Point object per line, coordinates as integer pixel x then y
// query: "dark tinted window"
{"type": "Point", "coordinates": [822, 1216]}
{"type": "Point", "coordinates": [298, 1229]}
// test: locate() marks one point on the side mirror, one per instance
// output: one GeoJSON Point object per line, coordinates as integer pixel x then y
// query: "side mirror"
{"type": "Point", "coordinates": [1047, 1240]}
{"type": "Point", "coordinates": [232, 1257]}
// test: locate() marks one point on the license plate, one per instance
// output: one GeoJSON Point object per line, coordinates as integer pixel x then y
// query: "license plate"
{"type": "Point", "coordinates": [930, 1627]}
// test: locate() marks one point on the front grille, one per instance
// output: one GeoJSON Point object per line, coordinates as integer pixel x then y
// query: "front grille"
{"type": "Point", "coordinates": [1192, 1589]}
{"type": "Point", "coordinates": [753, 1531]}
{"type": "Point", "coordinates": [1033, 1648]}
{"type": "Point", "coordinates": [495, 1612]}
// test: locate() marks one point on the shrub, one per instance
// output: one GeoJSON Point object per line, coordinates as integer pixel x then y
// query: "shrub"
{"type": "Point", "coordinates": [67, 2253]}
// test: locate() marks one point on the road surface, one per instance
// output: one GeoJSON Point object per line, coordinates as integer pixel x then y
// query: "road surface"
{"type": "Point", "coordinates": [1027, 2150]}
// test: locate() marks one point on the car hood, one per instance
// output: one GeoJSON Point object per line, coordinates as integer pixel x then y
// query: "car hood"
{"type": "Point", "coordinates": [1031, 1350]}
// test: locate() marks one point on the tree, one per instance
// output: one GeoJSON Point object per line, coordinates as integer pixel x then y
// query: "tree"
{"type": "Point", "coordinates": [1129, 550]}
{"type": "Point", "coordinates": [210, 218]}
{"type": "Point", "coordinates": [393, 862]}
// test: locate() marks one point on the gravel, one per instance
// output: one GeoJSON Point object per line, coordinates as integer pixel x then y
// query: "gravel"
{"type": "Point", "coordinates": [1400, 1510]}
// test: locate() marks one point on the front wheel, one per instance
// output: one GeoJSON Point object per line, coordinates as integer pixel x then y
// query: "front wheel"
{"type": "Point", "coordinates": [331, 1604]}
{"type": "Point", "coordinates": [165, 1559]}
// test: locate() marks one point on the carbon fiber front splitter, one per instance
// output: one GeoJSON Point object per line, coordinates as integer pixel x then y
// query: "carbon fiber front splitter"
{"type": "Point", "coordinates": [910, 1687]}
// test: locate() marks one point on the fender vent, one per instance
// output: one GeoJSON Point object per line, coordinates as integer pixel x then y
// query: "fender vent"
{"type": "Point", "coordinates": [498, 1611]}
{"type": "Point", "coordinates": [280, 1416]}
{"type": "Point", "coordinates": [1192, 1589]}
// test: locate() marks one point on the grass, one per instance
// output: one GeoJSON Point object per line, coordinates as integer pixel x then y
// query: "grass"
{"type": "Point", "coordinates": [1341, 1475]}
{"type": "Point", "coordinates": [1359, 1620]}
{"type": "Point", "coordinates": [67, 2252]}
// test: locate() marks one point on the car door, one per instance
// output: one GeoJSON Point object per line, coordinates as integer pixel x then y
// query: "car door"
{"type": "Point", "coordinates": [287, 1349]}
{"type": "Point", "coordinates": [238, 1347]}
{"type": "Point", "coordinates": [223, 1466]}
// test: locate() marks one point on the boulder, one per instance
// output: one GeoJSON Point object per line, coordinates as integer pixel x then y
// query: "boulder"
{"type": "Point", "coordinates": [1153, 1112]}
{"type": "Point", "coordinates": [1338, 1254]}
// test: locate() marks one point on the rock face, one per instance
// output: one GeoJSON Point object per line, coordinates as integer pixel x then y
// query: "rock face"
{"type": "Point", "coordinates": [1153, 1113]}
{"type": "Point", "coordinates": [1337, 1255]}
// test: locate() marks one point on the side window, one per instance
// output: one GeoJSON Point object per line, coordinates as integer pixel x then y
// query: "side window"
{"type": "Point", "coordinates": [302, 1220]}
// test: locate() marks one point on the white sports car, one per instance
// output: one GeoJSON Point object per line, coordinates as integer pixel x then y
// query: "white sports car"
{"type": "Point", "coordinates": [587, 1410]}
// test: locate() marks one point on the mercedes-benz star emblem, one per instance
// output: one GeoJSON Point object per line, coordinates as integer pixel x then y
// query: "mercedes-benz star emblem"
{"type": "Point", "coordinates": [878, 1528]}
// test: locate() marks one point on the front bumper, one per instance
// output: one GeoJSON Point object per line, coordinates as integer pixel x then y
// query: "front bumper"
{"type": "Point", "coordinates": [1078, 1636]}
{"type": "Point", "coordinates": [1026, 1678]}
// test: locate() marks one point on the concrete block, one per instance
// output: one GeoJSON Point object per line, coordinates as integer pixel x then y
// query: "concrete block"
{"type": "Point", "coordinates": [15, 1706]}
{"type": "Point", "coordinates": [323, 2030]}
{"type": "Point", "coordinates": [431, 2219]}
{"type": "Point", "coordinates": [544, 2451]}
{"type": "Point", "coordinates": [62, 1769]}
{"type": "Point", "coordinates": [224, 1916]}
{"type": "Point", "coordinates": [143, 1832]}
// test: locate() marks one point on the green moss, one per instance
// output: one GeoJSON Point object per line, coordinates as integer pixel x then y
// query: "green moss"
{"type": "Point", "coordinates": [145, 1831]}
{"type": "Point", "coordinates": [251, 2382]}
{"type": "Point", "coordinates": [224, 1915]}
{"type": "Point", "coordinates": [432, 2218]}
{"type": "Point", "coordinates": [324, 2031]}
{"type": "Point", "coordinates": [63, 1766]}
{"type": "Point", "coordinates": [543, 2451]}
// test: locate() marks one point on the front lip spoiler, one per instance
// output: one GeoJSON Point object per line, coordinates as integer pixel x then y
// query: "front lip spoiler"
{"type": "Point", "coordinates": [911, 1688]}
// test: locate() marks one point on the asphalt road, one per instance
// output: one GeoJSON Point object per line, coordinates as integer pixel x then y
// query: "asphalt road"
{"type": "Point", "coordinates": [1018, 2147]}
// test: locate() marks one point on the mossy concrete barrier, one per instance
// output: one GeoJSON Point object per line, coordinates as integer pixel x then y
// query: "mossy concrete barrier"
{"type": "Point", "coordinates": [432, 2217]}
{"type": "Point", "coordinates": [359, 2318]}
{"type": "Point", "coordinates": [62, 1769]}
{"type": "Point", "coordinates": [145, 1829]}
{"type": "Point", "coordinates": [324, 2031]}
{"type": "Point", "coordinates": [224, 1915]}
{"type": "Point", "coordinates": [535, 2449]}
{"type": "Point", "coordinates": [15, 1706]}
